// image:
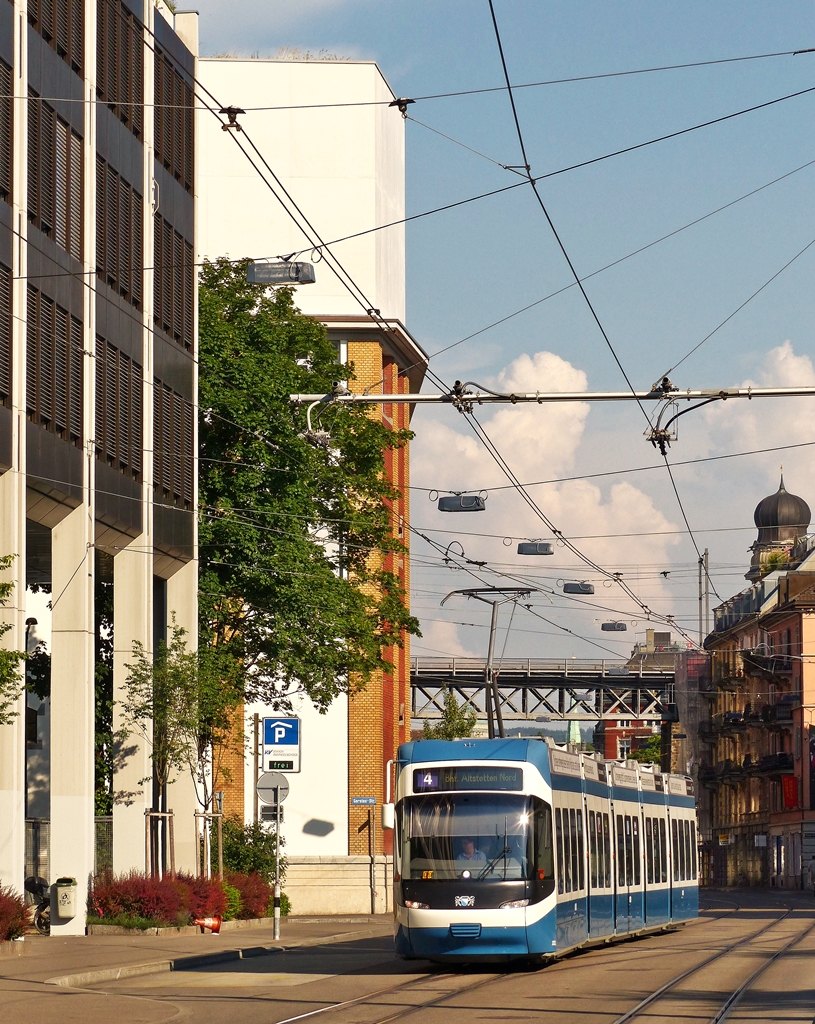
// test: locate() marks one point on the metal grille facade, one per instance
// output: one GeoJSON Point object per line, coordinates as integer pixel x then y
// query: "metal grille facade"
{"type": "Point", "coordinates": [59, 22]}
{"type": "Point", "coordinates": [54, 367]}
{"type": "Point", "coordinates": [120, 62]}
{"type": "Point", "coordinates": [54, 176]}
{"type": "Point", "coordinates": [173, 142]}
{"type": "Point", "coordinates": [37, 850]}
{"type": "Point", "coordinates": [5, 336]}
{"type": "Point", "coordinates": [174, 282]}
{"type": "Point", "coordinates": [173, 455]}
{"type": "Point", "coordinates": [6, 120]}
{"type": "Point", "coordinates": [119, 239]}
{"type": "Point", "coordinates": [119, 394]}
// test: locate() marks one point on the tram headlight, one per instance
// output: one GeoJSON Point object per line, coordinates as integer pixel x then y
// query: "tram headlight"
{"type": "Point", "coordinates": [514, 904]}
{"type": "Point", "coordinates": [416, 905]}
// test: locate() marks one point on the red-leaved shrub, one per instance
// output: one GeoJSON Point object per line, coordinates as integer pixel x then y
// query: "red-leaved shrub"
{"type": "Point", "coordinates": [256, 894]}
{"type": "Point", "coordinates": [204, 897]}
{"type": "Point", "coordinates": [137, 895]}
{"type": "Point", "coordinates": [14, 914]}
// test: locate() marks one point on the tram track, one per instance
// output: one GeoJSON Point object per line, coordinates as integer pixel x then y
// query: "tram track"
{"type": "Point", "coordinates": [643, 1008]}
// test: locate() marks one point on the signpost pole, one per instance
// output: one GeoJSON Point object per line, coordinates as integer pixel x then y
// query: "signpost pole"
{"type": "Point", "coordinates": [277, 866]}
{"type": "Point", "coordinates": [257, 761]}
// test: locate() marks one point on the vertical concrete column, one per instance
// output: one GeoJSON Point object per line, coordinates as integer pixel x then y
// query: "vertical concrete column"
{"type": "Point", "coordinates": [132, 621]}
{"type": "Point", "coordinates": [182, 601]}
{"type": "Point", "coordinates": [12, 487]}
{"type": "Point", "coordinates": [72, 711]}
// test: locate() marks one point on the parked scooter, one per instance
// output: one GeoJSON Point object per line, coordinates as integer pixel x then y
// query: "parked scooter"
{"type": "Point", "coordinates": [41, 891]}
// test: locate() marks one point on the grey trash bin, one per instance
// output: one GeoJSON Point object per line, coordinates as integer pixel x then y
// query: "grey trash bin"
{"type": "Point", "coordinates": [66, 889]}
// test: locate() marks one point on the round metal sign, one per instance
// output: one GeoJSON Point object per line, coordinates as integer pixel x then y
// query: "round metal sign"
{"type": "Point", "coordinates": [268, 783]}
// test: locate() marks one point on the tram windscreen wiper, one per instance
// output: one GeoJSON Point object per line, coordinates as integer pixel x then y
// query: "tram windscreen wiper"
{"type": "Point", "coordinates": [491, 864]}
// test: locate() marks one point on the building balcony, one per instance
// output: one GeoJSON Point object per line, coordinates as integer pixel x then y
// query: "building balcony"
{"type": "Point", "coordinates": [775, 764]}
{"type": "Point", "coordinates": [770, 664]}
{"type": "Point", "coordinates": [708, 731]}
{"type": "Point", "coordinates": [778, 714]}
{"type": "Point", "coordinates": [729, 772]}
{"type": "Point", "coordinates": [707, 776]}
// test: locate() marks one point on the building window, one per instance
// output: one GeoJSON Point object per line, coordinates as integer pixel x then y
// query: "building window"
{"type": "Point", "coordinates": [54, 176]}
{"type": "Point", "coordinates": [53, 367]}
{"type": "Point", "coordinates": [623, 748]}
{"type": "Point", "coordinates": [119, 240]}
{"type": "Point", "coordinates": [120, 62]}
{"type": "Point", "coordinates": [6, 111]}
{"type": "Point", "coordinates": [624, 723]}
{"type": "Point", "coordinates": [60, 23]}
{"type": "Point", "coordinates": [5, 336]}
{"type": "Point", "coordinates": [173, 269]}
{"type": "Point", "coordinates": [173, 140]}
{"type": "Point", "coordinates": [173, 448]}
{"type": "Point", "coordinates": [118, 409]}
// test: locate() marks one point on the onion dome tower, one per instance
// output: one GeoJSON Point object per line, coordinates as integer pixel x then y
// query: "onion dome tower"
{"type": "Point", "coordinates": [781, 519]}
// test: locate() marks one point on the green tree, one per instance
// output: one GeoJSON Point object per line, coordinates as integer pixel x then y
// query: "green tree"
{"type": "Point", "coordinates": [182, 702]}
{"type": "Point", "coordinates": [650, 751]}
{"type": "Point", "coordinates": [296, 536]}
{"type": "Point", "coordinates": [457, 721]}
{"type": "Point", "coordinates": [11, 680]}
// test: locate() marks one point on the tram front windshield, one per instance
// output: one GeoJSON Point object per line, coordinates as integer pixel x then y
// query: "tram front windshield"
{"type": "Point", "coordinates": [476, 836]}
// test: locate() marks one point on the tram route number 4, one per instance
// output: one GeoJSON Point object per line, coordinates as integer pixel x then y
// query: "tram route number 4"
{"type": "Point", "coordinates": [281, 745]}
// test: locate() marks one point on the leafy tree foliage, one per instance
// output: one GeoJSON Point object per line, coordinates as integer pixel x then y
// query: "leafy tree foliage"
{"type": "Point", "coordinates": [456, 722]}
{"type": "Point", "coordinates": [650, 751]}
{"type": "Point", "coordinates": [11, 681]}
{"type": "Point", "coordinates": [249, 848]}
{"type": "Point", "coordinates": [296, 583]}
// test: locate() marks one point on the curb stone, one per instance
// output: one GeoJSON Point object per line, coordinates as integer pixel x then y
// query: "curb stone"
{"type": "Point", "coordinates": [197, 960]}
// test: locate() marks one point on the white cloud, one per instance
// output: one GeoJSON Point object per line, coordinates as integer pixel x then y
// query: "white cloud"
{"type": "Point", "coordinates": [439, 639]}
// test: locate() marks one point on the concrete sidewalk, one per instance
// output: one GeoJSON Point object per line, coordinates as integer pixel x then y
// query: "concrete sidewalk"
{"type": "Point", "coordinates": [78, 961]}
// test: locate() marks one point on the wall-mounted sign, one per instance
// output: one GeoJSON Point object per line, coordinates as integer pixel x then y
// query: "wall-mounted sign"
{"type": "Point", "coordinates": [363, 801]}
{"type": "Point", "coordinates": [281, 745]}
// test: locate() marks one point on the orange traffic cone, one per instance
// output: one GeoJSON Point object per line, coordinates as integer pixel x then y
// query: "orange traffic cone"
{"type": "Point", "coordinates": [213, 923]}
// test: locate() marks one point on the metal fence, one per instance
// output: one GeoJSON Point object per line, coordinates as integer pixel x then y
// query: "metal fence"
{"type": "Point", "coordinates": [38, 843]}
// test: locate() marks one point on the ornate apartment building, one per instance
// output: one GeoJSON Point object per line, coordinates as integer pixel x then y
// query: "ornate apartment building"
{"type": "Point", "coordinates": [97, 406]}
{"type": "Point", "coordinates": [759, 732]}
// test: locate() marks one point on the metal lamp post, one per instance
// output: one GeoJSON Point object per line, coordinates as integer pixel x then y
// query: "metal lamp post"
{"type": "Point", "coordinates": [507, 595]}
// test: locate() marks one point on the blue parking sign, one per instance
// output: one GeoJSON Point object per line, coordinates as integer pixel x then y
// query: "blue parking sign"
{"type": "Point", "coordinates": [281, 744]}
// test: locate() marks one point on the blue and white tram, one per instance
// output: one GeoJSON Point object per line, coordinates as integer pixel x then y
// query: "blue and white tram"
{"type": "Point", "coordinates": [512, 848]}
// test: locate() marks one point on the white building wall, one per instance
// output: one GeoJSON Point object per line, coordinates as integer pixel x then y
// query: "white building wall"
{"type": "Point", "coordinates": [343, 166]}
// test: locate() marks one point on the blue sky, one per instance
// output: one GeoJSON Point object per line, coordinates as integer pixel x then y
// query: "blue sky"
{"type": "Point", "coordinates": [469, 267]}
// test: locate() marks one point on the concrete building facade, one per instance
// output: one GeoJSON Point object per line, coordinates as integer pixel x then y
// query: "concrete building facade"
{"type": "Point", "coordinates": [97, 404]}
{"type": "Point", "coordinates": [342, 168]}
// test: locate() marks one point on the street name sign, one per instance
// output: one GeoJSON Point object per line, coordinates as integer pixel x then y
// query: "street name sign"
{"type": "Point", "coordinates": [363, 801]}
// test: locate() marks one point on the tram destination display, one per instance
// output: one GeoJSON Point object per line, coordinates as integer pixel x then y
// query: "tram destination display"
{"type": "Point", "coordinates": [437, 780]}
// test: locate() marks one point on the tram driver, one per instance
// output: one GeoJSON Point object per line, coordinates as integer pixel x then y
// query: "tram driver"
{"type": "Point", "coordinates": [469, 852]}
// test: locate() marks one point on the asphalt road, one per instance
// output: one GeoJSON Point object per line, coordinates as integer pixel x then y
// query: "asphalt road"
{"type": "Point", "coordinates": [751, 957]}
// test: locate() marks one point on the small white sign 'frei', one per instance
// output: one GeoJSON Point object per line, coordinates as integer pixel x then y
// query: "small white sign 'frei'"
{"type": "Point", "coordinates": [281, 745]}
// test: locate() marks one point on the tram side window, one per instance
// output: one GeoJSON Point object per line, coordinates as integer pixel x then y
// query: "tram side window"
{"type": "Point", "coordinates": [693, 847]}
{"type": "Point", "coordinates": [635, 835]}
{"type": "Point", "coordinates": [683, 832]}
{"type": "Point", "coordinates": [663, 850]}
{"type": "Point", "coordinates": [649, 852]}
{"type": "Point", "coordinates": [575, 852]}
{"type": "Point", "coordinates": [629, 859]}
{"type": "Point", "coordinates": [675, 839]}
{"type": "Point", "coordinates": [581, 851]}
{"type": "Point", "coordinates": [592, 850]}
{"type": "Point", "coordinates": [620, 851]}
{"type": "Point", "coordinates": [560, 860]}
{"type": "Point", "coordinates": [688, 867]}
{"type": "Point", "coordinates": [601, 867]}
{"type": "Point", "coordinates": [606, 851]}
{"type": "Point", "coordinates": [544, 862]}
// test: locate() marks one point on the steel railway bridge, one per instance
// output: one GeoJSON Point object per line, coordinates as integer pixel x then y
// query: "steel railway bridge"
{"type": "Point", "coordinates": [529, 689]}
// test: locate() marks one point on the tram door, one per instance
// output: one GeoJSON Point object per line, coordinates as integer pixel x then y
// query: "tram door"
{"type": "Point", "coordinates": [628, 903]}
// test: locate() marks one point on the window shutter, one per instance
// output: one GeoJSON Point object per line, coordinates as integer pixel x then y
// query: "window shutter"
{"type": "Point", "coordinates": [102, 15]}
{"type": "Point", "coordinates": [75, 380]}
{"type": "Point", "coordinates": [34, 162]}
{"type": "Point", "coordinates": [6, 112]}
{"type": "Point", "coordinates": [112, 219]}
{"type": "Point", "coordinates": [61, 370]}
{"type": "Point", "coordinates": [137, 91]}
{"type": "Point", "coordinates": [61, 11]}
{"type": "Point", "coordinates": [136, 398]}
{"type": "Point", "coordinates": [61, 184]}
{"type": "Point", "coordinates": [77, 36]}
{"type": "Point", "coordinates": [47, 19]}
{"type": "Point", "coordinates": [101, 220]}
{"type": "Point", "coordinates": [178, 287]}
{"type": "Point", "coordinates": [31, 351]}
{"type": "Point", "coordinates": [47, 169]}
{"type": "Point", "coordinates": [100, 362]}
{"type": "Point", "coordinates": [189, 293]}
{"type": "Point", "coordinates": [125, 238]}
{"type": "Point", "coordinates": [138, 247]}
{"type": "Point", "coordinates": [167, 90]}
{"type": "Point", "coordinates": [167, 276]}
{"type": "Point", "coordinates": [75, 197]}
{"type": "Point", "coordinates": [188, 453]}
{"type": "Point", "coordinates": [5, 335]}
{"type": "Point", "coordinates": [45, 388]}
{"type": "Point", "coordinates": [189, 142]}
